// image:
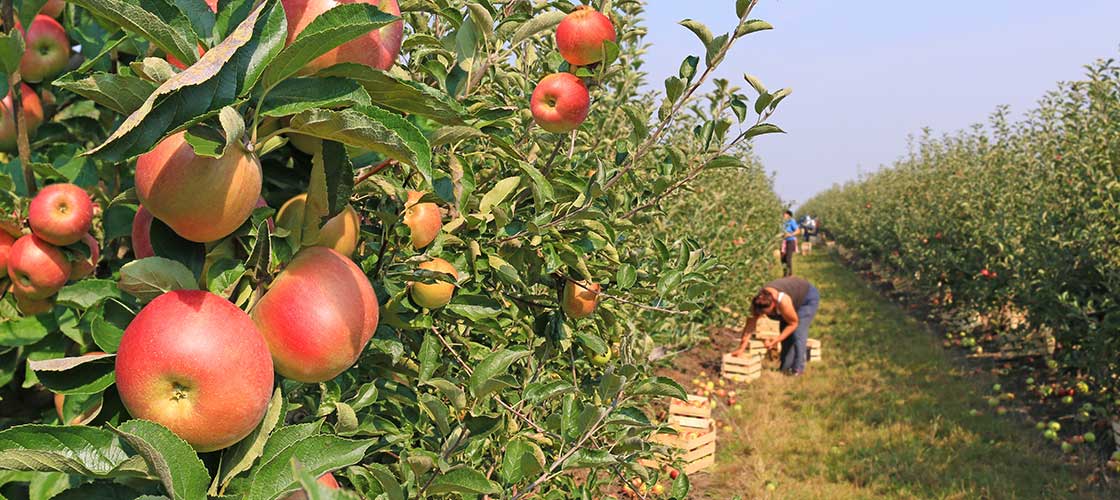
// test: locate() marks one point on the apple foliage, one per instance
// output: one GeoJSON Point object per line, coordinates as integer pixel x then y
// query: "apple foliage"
{"type": "Point", "coordinates": [1014, 223]}
{"type": "Point", "coordinates": [493, 395]}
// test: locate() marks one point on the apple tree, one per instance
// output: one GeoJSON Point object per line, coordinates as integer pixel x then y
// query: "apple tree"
{"type": "Point", "coordinates": [457, 275]}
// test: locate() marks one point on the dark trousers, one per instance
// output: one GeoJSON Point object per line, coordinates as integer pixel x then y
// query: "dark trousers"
{"type": "Point", "coordinates": [789, 248]}
{"type": "Point", "coordinates": [795, 349]}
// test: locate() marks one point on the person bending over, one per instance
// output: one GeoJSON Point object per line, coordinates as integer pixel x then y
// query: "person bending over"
{"type": "Point", "coordinates": [793, 302]}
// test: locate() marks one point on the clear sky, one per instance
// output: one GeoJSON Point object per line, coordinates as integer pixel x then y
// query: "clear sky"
{"type": "Point", "coordinates": [867, 73]}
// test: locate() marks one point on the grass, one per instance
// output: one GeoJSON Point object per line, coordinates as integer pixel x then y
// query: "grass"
{"type": "Point", "coordinates": [885, 415]}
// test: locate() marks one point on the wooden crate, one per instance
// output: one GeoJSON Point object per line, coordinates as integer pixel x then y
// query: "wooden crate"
{"type": "Point", "coordinates": [814, 349]}
{"type": "Point", "coordinates": [766, 327]}
{"type": "Point", "coordinates": [698, 452]}
{"type": "Point", "coordinates": [696, 406]}
{"type": "Point", "coordinates": [742, 369]}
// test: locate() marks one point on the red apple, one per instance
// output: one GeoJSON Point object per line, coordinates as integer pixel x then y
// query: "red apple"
{"type": "Point", "coordinates": [81, 268]}
{"type": "Point", "coordinates": [378, 48]}
{"type": "Point", "coordinates": [202, 199]}
{"type": "Point", "coordinates": [196, 364]}
{"type": "Point", "coordinates": [47, 52]}
{"type": "Point", "coordinates": [37, 268]}
{"type": "Point", "coordinates": [560, 103]}
{"type": "Point", "coordinates": [581, 35]}
{"type": "Point", "coordinates": [317, 316]}
{"type": "Point", "coordinates": [32, 111]}
{"type": "Point", "coordinates": [61, 213]}
{"type": "Point", "coordinates": [340, 233]}
{"type": "Point", "coordinates": [142, 233]}
{"type": "Point", "coordinates": [53, 8]}
{"type": "Point", "coordinates": [673, 473]}
{"type": "Point", "coordinates": [6, 241]}
{"type": "Point", "coordinates": [434, 295]}
{"type": "Point", "coordinates": [327, 480]}
{"type": "Point", "coordinates": [423, 219]}
{"type": "Point", "coordinates": [580, 299]}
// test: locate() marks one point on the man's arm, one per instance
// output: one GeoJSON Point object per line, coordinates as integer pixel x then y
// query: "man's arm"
{"type": "Point", "coordinates": [746, 333]}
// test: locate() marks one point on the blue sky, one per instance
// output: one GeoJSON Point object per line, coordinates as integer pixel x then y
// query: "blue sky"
{"type": "Point", "coordinates": [867, 73]}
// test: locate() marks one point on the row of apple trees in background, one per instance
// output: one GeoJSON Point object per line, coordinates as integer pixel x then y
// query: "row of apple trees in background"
{"type": "Point", "coordinates": [1015, 222]}
{"type": "Point", "coordinates": [498, 393]}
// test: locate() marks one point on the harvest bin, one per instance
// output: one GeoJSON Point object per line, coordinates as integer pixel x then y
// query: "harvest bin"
{"type": "Point", "coordinates": [814, 349]}
{"type": "Point", "coordinates": [695, 447]}
{"type": "Point", "coordinates": [742, 369]}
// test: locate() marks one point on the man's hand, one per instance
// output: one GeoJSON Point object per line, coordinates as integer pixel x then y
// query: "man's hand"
{"type": "Point", "coordinates": [738, 353]}
{"type": "Point", "coordinates": [769, 344]}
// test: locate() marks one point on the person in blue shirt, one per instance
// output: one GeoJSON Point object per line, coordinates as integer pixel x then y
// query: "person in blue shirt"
{"type": "Point", "coordinates": [790, 229]}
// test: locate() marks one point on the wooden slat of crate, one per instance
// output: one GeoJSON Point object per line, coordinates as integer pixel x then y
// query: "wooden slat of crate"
{"type": "Point", "coordinates": [692, 422]}
{"type": "Point", "coordinates": [814, 349]}
{"type": "Point", "coordinates": [699, 453]}
{"type": "Point", "coordinates": [678, 407]}
{"type": "Point", "coordinates": [741, 364]}
{"type": "Point", "coordinates": [700, 465]}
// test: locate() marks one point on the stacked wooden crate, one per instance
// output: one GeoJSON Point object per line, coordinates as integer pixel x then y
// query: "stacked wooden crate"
{"type": "Point", "coordinates": [745, 368]}
{"type": "Point", "coordinates": [814, 349]}
{"type": "Point", "coordinates": [695, 441]}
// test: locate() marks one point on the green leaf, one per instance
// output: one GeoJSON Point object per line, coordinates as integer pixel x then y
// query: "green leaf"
{"type": "Point", "coordinates": [522, 459]}
{"type": "Point", "coordinates": [463, 480]}
{"type": "Point", "coordinates": [762, 128]}
{"type": "Point", "coordinates": [626, 276]}
{"type": "Point", "coordinates": [240, 457]}
{"type": "Point", "coordinates": [199, 15]}
{"type": "Point", "coordinates": [752, 26]}
{"type": "Point", "coordinates": [474, 307]}
{"type": "Point", "coordinates": [540, 391]}
{"type": "Point", "coordinates": [725, 161]}
{"type": "Point", "coordinates": [401, 95]}
{"type": "Point", "coordinates": [120, 93]}
{"type": "Point", "coordinates": [741, 7]}
{"type": "Point", "coordinates": [88, 293]}
{"type": "Point", "coordinates": [296, 95]}
{"type": "Point", "coordinates": [385, 478]}
{"type": "Point", "coordinates": [173, 461]}
{"type": "Point", "coordinates": [674, 88]}
{"type": "Point", "coordinates": [546, 21]}
{"type": "Point", "coordinates": [452, 392]}
{"type": "Point", "coordinates": [454, 133]}
{"type": "Point", "coordinates": [100, 491]}
{"type": "Point", "coordinates": [697, 28]}
{"type": "Point", "coordinates": [76, 375]}
{"type": "Point", "coordinates": [688, 68]}
{"type": "Point", "coordinates": [756, 84]}
{"type": "Point", "coordinates": [371, 128]}
{"type": "Point", "coordinates": [495, 365]}
{"type": "Point", "coordinates": [151, 277]}
{"type": "Point", "coordinates": [27, 330]}
{"type": "Point", "coordinates": [584, 458]}
{"type": "Point", "coordinates": [429, 357]}
{"type": "Point", "coordinates": [680, 488]}
{"type": "Point", "coordinates": [226, 72]}
{"type": "Point", "coordinates": [11, 51]}
{"type": "Point", "coordinates": [325, 33]}
{"type": "Point", "coordinates": [165, 26]}
{"type": "Point", "coordinates": [319, 454]}
{"type": "Point", "coordinates": [593, 342]}
{"type": "Point", "coordinates": [498, 194]}
{"type": "Point", "coordinates": [659, 386]}
{"type": "Point", "coordinates": [79, 450]}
